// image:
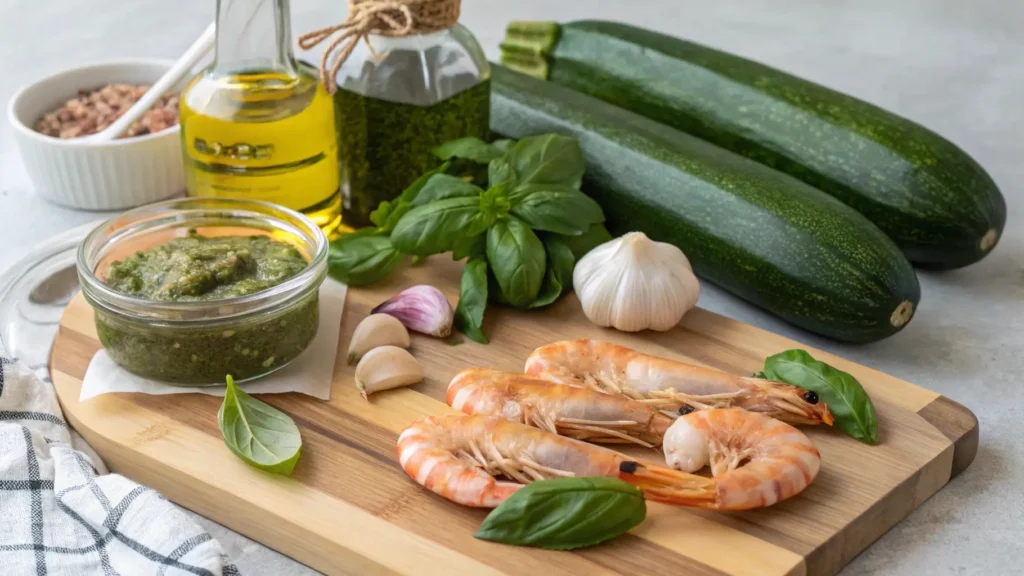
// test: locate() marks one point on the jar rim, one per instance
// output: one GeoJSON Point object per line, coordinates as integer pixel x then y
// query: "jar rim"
{"type": "Point", "coordinates": [212, 212]}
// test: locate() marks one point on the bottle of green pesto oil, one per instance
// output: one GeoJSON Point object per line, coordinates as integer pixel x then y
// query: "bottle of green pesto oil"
{"type": "Point", "coordinates": [406, 77]}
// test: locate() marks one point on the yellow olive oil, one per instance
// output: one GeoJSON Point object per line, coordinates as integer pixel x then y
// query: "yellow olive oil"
{"type": "Point", "coordinates": [263, 135]}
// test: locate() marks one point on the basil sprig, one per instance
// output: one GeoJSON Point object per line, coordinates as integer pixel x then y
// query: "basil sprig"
{"type": "Point", "coordinates": [565, 513]}
{"type": "Point", "coordinates": [523, 224]}
{"type": "Point", "coordinates": [258, 433]}
{"type": "Point", "coordinates": [850, 405]}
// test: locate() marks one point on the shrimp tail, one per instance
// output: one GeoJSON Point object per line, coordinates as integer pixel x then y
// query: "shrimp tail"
{"type": "Point", "coordinates": [670, 486]}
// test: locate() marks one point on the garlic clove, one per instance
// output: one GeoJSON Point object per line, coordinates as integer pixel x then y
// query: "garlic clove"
{"type": "Point", "coordinates": [422, 309]}
{"type": "Point", "coordinates": [633, 283]}
{"type": "Point", "coordinates": [374, 331]}
{"type": "Point", "coordinates": [385, 368]}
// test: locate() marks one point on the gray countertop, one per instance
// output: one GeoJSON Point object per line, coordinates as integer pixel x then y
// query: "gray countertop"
{"type": "Point", "coordinates": [954, 66]}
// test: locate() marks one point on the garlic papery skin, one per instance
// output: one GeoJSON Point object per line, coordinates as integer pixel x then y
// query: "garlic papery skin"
{"type": "Point", "coordinates": [374, 331]}
{"type": "Point", "coordinates": [422, 309]}
{"type": "Point", "coordinates": [633, 283]}
{"type": "Point", "coordinates": [385, 368]}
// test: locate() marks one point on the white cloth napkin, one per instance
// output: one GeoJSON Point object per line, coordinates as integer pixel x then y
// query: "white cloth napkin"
{"type": "Point", "coordinates": [63, 514]}
{"type": "Point", "coordinates": [310, 373]}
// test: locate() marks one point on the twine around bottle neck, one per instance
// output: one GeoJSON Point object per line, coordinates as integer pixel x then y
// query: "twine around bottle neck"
{"type": "Point", "coordinates": [395, 18]}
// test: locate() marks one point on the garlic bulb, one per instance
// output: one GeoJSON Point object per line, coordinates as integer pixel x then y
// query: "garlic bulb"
{"type": "Point", "coordinates": [421, 309]}
{"type": "Point", "coordinates": [633, 283]}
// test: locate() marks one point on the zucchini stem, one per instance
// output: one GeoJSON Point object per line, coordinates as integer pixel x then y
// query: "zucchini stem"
{"type": "Point", "coordinates": [988, 241]}
{"type": "Point", "coordinates": [527, 45]}
{"type": "Point", "coordinates": [902, 314]}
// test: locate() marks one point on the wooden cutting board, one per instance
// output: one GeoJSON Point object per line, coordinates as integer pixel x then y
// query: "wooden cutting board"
{"type": "Point", "coordinates": [349, 508]}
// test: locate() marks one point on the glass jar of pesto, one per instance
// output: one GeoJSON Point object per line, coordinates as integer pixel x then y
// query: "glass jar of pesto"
{"type": "Point", "coordinates": [401, 93]}
{"type": "Point", "coordinates": [188, 291]}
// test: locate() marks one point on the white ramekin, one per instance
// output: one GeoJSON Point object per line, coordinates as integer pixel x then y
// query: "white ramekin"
{"type": "Point", "coordinates": [96, 176]}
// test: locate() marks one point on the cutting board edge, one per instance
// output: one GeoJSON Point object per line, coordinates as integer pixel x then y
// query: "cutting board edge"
{"type": "Point", "coordinates": [959, 425]}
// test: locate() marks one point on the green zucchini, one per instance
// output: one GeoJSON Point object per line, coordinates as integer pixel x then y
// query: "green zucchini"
{"type": "Point", "coordinates": [760, 234]}
{"type": "Point", "coordinates": [939, 206]}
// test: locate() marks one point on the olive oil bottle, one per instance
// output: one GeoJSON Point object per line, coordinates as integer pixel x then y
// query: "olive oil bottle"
{"type": "Point", "coordinates": [257, 124]}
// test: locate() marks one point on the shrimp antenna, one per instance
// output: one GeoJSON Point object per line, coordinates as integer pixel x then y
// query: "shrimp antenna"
{"type": "Point", "coordinates": [669, 486]}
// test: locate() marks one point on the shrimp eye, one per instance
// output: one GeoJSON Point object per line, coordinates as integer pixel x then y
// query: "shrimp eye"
{"type": "Point", "coordinates": [628, 467]}
{"type": "Point", "coordinates": [685, 409]}
{"type": "Point", "coordinates": [811, 396]}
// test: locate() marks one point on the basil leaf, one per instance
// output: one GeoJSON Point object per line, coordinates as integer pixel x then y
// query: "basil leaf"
{"type": "Point", "coordinates": [516, 256]}
{"type": "Point", "coordinates": [469, 246]}
{"type": "Point", "coordinates": [433, 228]}
{"type": "Point", "coordinates": [258, 433]}
{"type": "Point", "coordinates": [500, 171]}
{"type": "Point", "coordinates": [410, 193]}
{"type": "Point", "coordinates": [380, 214]}
{"type": "Point", "coordinates": [481, 222]}
{"type": "Point", "coordinates": [441, 186]}
{"type": "Point", "coordinates": [364, 231]}
{"type": "Point", "coordinates": [565, 513]}
{"type": "Point", "coordinates": [469, 314]}
{"type": "Point", "coordinates": [470, 148]}
{"type": "Point", "coordinates": [503, 145]}
{"type": "Point", "coordinates": [555, 208]}
{"type": "Point", "coordinates": [558, 276]}
{"type": "Point", "coordinates": [596, 235]}
{"type": "Point", "coordinates": [845, 397]}
{"type": "Point", "coordinates": [360, 260]}
{"type": "Point", "coordinates": [397, 213]}
{"type": "Point", "coordinates": [548, 159]}
{"type": "Point", "coordinates": [493, 290]}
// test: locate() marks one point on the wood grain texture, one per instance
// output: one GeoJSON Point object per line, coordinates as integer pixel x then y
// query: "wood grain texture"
{"type": "Point", "coordinates": [349, 509]}
{"type": "Point", "coordinates": [960, 425]}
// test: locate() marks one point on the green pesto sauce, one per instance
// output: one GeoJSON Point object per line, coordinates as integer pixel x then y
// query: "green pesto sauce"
{"type": "Point", "coordinates": [197, 268]}
{"type": "Point", "coordinates": [384, 146]}
{"type": "Point", "coordinates": [206, 268]}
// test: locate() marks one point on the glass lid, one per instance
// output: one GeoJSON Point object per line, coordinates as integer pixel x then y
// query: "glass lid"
{"type": "Point", "coordinates": [33, 294]}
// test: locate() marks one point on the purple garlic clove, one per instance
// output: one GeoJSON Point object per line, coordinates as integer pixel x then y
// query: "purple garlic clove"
{"type": "Point", "coordinates": [421, 309]}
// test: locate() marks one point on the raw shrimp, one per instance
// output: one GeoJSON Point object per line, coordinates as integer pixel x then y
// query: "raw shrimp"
{"type": "Point", "coordinates": [571, 411]}
{"type": "Point", "coordinates": [458, 457]}
{"type": "Point", "coordinates": [755, 460]}
{"type": "Point", "coordinates": [670, 384]}
{"type": "Point", "coordinates": [780, 460]}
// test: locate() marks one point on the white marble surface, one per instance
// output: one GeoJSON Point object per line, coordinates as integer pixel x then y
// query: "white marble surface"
{"type": "Point", "coordinates": [953, 65]}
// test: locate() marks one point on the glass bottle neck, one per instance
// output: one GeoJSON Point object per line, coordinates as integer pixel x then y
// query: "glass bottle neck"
{"type": "Point", "coordinates": [254, 35]}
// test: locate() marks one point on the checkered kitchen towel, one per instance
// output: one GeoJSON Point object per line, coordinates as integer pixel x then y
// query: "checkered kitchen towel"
{"type": "Point", "coordinates": [62, 514]}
